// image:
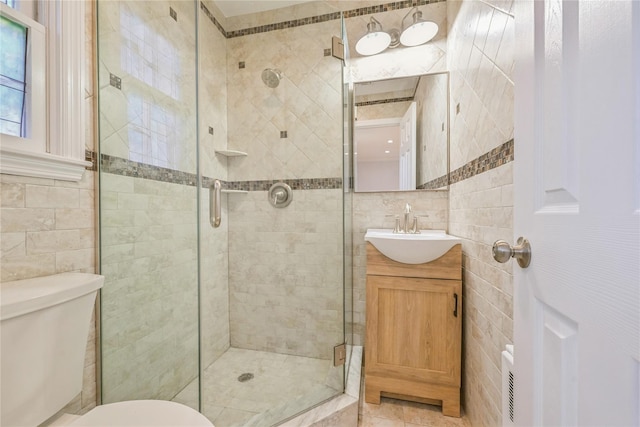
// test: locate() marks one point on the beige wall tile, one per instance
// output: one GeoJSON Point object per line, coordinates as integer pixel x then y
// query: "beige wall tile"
{"type": "Point", "coordinates": [68, 219]}
{"type": "Point", "coordinates": [51, 197]}
{"type": "Point", "coordinates": [40, 242]}
{"type": "Point", "coordinates": [288, 299]}
{"type": "Point", "coordinates": [13, 245]}
{"type": "Point", "coordinates": [12, 195]}
{"type": "Point", "coordinates": [28, 266]}
{"type": "Point", "coordinates": [27, 219]}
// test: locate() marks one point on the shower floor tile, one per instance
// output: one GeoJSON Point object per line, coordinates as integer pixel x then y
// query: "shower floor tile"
{"type": "Point", "coordinates": [281, 386]}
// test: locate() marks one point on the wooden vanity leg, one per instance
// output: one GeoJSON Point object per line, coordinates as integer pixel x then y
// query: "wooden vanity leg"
{"type": "Point", "coordinates": [371, 395]}
{"type": "Point", "coordinates": [451, 407]}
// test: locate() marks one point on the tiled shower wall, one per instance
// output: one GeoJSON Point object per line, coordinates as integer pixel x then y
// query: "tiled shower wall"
{"type": "Point", "coordinates": [286, 280]}
{"type": "Point", "coordinates": [214, 242]}
{"type": "Point", "coordinates": [481, 56]}
{"type": "Point", "coordinates": [148, 198]}
{"type": "Point", "coordinates": [286, 292]}
{"type": "Point", "coordinates": [48, 226]}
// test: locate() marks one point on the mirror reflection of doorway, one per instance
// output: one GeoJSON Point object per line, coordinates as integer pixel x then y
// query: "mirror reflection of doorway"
{"type": "Point", "coordinates": [385, 153]}
{"type": "Point", "coordinates": [390, 99]}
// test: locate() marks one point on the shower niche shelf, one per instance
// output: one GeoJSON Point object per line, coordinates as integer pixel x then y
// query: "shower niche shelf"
{"type": "Point", "coordinates": [231, 153]}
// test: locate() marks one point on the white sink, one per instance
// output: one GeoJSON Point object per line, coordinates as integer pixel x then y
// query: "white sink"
{"type": "Point", "coordinates": [411, 248]}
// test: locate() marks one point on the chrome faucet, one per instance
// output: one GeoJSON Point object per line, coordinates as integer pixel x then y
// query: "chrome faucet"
{"type": "Point", "coordinates": [410, 225]}
{"type": "Point", "coordinates": [407, 212]}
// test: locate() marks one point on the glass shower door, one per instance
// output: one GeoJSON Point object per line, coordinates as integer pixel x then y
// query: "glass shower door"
{"type": "Point", "coordinates": [148, 200]}
{"type": "Point", "coordinates": [272, 294]}
{"type": "Point", "coordinates": [239, 321]}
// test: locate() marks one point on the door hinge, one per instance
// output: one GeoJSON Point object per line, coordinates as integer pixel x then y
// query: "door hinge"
{"type": "Point", "coordinates": [337, 48]}
{"type": "Point", "coordinates": [339, 354]}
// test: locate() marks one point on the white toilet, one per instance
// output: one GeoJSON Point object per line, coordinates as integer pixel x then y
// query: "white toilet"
{"type": "Point", "coordinates": [44, 324]}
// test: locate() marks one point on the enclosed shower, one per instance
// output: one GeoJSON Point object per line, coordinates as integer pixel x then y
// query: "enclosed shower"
{"type": "Point", "coordinates": [238, 321]}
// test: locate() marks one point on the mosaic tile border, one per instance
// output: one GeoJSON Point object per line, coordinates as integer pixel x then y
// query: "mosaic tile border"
{"type": "Point", "coordinates": [383, 101]}
{"type": "Point", "coordinates": [295, 184]}
{"type": "Point", "coordinates": [283, 25]}
{"type": "Point", "coordinates": [213, 19]}
{"type": "Point", "coordinates": [435, 184]}
{"type": "Point", "coordinates": [396, 5]}
{"type": "Point", "coordinates": [491, 160]}
{"type": "Point", "coordinates": [125, 167]}
{"type": "Point", "coordinates": [362, 11]}
{"type": "Point", "coordinates": [119, 166]}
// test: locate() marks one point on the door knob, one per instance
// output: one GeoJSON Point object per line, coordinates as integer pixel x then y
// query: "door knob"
{"type": "Point", "coordinates": [503, 251]}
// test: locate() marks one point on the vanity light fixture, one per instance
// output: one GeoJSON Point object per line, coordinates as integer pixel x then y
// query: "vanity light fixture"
{"type": "Point", "coordinates": [375, 41]}
{"type": "Point", "coordinates": [419, 32]}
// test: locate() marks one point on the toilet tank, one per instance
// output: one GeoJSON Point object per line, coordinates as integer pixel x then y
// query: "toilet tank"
{"type": "Point", "coordinates": [44, 325]}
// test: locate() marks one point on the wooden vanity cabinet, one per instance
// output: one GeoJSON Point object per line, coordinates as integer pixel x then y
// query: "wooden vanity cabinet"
{"type": "Point", "coordinates": [414, 330]}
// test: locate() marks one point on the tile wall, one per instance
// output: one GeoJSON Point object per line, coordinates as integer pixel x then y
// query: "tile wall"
{"type": "Point", "coordinates": [480, 60]}
{"type": "Point", "coordinates": [148, 198]}
{"type": "Point", "coordinates": [48, 226]}
{"type": "Point", "coordinates": [289, 298]}
{"type": "Point", "coordinates": [150, 296]}
{"type": "Point", "coordinates": [432, 98]}
{"type": "Point", "coordinates": [151, 117]}
{"type": "Point", "coordinates": [306, 105]}
{"type": "Point", "coordinates": [214, 242]}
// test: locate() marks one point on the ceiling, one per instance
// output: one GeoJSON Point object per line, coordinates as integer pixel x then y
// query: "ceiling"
{"type": "Point", "coordinates": [243, 7]}
{"type": "Point", "coordinates": [372, 143]}
{"type": "Point", "coordinates": [385, 89]}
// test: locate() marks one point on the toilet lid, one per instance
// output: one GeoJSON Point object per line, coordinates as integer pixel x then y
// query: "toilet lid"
{"type": "Point", "coordinates": [142, 413]}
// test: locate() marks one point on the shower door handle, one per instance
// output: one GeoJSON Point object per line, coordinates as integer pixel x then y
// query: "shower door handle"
{"type": "Point", "coordinates": [215, 202]}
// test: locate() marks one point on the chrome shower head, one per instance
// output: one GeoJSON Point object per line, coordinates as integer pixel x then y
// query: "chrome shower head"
{"type": "Point", "coordinates": [271, 77]}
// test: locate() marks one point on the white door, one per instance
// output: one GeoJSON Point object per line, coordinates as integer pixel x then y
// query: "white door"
{"type": "Point", "coordinates": [408, 149]}
{"type": "Point", "coordinates": [577, 200]}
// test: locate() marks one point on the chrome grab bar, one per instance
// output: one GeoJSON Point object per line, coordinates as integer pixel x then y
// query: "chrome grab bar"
{"type": "Point", "coordinates": [215, 204]}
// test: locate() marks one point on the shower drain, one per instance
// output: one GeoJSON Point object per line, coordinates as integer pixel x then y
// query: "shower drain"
{"type": "Point", "coordinates": [245, 377]}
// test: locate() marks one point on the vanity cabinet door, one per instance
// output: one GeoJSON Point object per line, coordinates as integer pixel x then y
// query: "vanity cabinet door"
{"type": "Point", "coordinates": [414, 328]}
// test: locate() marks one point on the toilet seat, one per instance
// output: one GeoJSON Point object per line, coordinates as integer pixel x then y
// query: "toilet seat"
{"type": "Point", "coordinates": [142, 413]}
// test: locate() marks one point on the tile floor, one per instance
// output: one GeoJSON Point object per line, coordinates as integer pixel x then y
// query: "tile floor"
{"type": "Point", "coordinates": [282, 386]}
{"type": "Point", "coordinates": [400, 413]}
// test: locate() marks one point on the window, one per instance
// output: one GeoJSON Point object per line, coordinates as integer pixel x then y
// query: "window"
{"type": "Point", "coordinates": [13, 73]}
{"type": "Point", "coordinates": [41, 89]}
{"type": "Point", "coordinates": [22, 88]}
